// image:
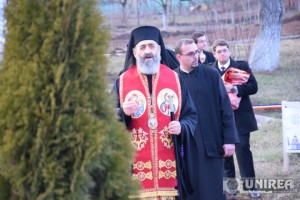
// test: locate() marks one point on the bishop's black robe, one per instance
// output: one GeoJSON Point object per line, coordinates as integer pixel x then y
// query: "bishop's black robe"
{"type": "Point", "coordinates": [185, 144]}
{"type": "Point", "coordinates": [215, 127]}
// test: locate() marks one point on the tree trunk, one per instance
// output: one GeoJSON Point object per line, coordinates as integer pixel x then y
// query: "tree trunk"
{"type": "Point", "coordinates": [265, 51]}
{"type": "Point", "coordinates": [214, 16]}
{"type": "Point", "coordinates": [124, 13]}
{"type": "Point", "coordinates": [165, 15]}
{"type": "Point", "coordinates": [138, 12]}
{"type": "Point", "coordinates": [165, 18]}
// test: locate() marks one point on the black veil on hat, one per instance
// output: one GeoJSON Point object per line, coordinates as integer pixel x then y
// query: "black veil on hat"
{"type": "Point", "coordinates": [147, 33]}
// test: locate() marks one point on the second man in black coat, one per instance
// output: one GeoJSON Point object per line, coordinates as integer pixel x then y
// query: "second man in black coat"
{"type": "Point", "coordinates": [244, 116]}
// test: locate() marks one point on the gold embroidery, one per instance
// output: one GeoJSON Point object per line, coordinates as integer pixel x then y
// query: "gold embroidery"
{"type": "Point", "coordinates": [165, 137]}
{"type": "Point", "coordinates": [141, 165]}
{"type": "Point", "coordinates": [168, 164]}
{"type": "Point", "coordinates": [167, 174]}
{"type": "Point", "coordinates": [141, 176]}
{"type": "Point", "coordinates": [139, 138]}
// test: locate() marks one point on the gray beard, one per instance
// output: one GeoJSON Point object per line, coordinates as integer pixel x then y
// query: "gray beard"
{"type": "Point", "coordinates": [148, 67]}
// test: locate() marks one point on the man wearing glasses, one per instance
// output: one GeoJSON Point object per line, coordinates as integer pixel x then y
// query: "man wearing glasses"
{"type": "Point", "coordinates": [205, 57]}
{"type": "Point", "coordinates": [215, 132]}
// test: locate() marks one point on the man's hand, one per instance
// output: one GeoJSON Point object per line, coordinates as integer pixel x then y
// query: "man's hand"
{"type": "Point", "coordinates": [228, 86]}
{"type": "Point", "coordinates": [130, 107]}
{"type": "Point", "coordinates": [228, 149]}
{"type": "Point", "coordinates": [174, 127]}
{"type": "Point", "coordinates": [231, 88]}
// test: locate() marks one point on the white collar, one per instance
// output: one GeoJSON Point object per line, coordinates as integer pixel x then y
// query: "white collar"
{"type": "Point", "coordinates": [226, 65]}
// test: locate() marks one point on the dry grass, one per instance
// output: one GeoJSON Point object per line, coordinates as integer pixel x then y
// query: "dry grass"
{"type": "Point", "coordinates": [266, 145]}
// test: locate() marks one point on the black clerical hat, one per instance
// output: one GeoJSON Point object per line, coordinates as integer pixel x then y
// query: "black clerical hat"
{"type": "Point", "coordinates": [147, 33]}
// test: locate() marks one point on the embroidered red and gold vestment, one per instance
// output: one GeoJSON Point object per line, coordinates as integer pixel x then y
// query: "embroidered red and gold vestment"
{"type": "Point", "coordinates": [154, 165]}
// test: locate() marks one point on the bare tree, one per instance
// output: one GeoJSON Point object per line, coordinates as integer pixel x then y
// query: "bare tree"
{"type": "Point", "coordinates": [137, 4]}
{"type": "Point", "coordinates": [165, 4]}
{"type": "Point", "coordinates": [123, 4]}
{"type": "Point", "coordinates": [264, 54]}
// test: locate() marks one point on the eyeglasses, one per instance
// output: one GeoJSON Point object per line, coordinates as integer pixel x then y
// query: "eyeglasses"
{"type": "Point", "coordinates": [191, 53]}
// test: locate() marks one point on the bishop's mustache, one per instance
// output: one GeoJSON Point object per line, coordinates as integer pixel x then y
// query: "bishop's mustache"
{"type": "Point", "coordinates": [148, 55]}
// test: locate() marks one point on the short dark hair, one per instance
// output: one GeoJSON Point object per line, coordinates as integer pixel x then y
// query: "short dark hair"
{"type": "Point", "coordinates": [196, 35]}
{"type": "Point", "coordinates": [219, 42]}
{"type": "Point", "coordinates": [180, 43]}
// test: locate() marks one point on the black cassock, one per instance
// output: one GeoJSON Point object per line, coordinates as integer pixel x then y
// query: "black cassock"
{"type": "Point", "coordinates": [215, 127]}
{"type": "Point", "coordinates": [185, 144]}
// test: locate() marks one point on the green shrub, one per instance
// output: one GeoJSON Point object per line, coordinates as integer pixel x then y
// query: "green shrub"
{"type": "Point", "coordinates": [59, 135]}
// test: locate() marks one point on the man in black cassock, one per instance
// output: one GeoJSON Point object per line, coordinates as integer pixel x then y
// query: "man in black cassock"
{"type": "Point", "coordinates": [158, 111]}
{"type": "Point", "coordinates": [215, 133]}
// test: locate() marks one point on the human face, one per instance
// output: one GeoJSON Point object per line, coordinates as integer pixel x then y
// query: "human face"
{"type": "Point", "coordinates": [222, 54]}
{"type": "Point", "coordinates": [201, 42]}
{"type": "Point", "coordinates": [189, 57]}
{"type": "Point", "coordinates": [147, 54]}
